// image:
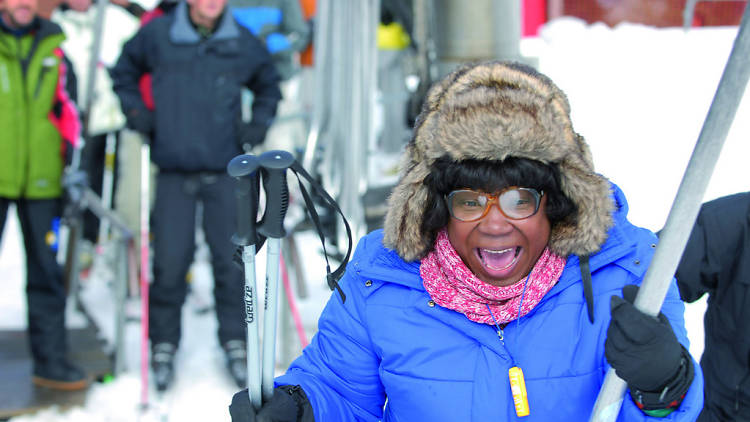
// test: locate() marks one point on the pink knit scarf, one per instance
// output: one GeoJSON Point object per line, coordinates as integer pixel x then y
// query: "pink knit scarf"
{"type": "Point", "coordinates": [452, 285]}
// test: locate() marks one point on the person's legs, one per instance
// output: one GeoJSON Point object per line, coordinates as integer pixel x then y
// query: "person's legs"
{"type": "Point", "coordinates": [46, 296]}
{"type": "Point", "coordinates": [173, 229]}
{"type": "Point", "coordinates": [173, 234]}
{"type": "Point", "coordinates": [219, 223]}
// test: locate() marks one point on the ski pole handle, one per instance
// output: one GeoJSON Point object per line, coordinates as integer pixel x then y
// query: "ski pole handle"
{"type": "Point", "coordinates": [274, 164]}
{"type": "Point", "coordinates": [245, 169]}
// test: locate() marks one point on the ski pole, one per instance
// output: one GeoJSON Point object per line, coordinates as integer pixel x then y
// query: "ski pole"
{"type": "Point", "coordinates": [686, 205]}
{"type": "Point", "coordinates": [244, 169]}
{"type": "Point", "coordinates": [108, 182]}
{"type": "Point", "coordinates": [145, 197]}
{"type": "Point", "coordinates": [274, 164]}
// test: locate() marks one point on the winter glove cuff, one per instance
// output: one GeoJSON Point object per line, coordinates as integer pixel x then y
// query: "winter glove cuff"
{"type": "Point", "coordinates": [671, 395]}
{"type": "Point", "coordinates": [288, 404]}
{"type": "Point", "coordinates": [304, 408]}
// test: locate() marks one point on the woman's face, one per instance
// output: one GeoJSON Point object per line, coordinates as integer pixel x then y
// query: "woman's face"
{"type": "Point", "coordinates": [498, 250]}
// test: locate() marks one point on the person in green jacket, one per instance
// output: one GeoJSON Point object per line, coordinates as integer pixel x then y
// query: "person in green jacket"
{"type": "Point", "coordinates": [40, 126]}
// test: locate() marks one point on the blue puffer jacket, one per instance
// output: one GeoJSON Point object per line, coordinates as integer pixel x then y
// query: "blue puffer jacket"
{"type": "Point", "coordinates": [433, 364]}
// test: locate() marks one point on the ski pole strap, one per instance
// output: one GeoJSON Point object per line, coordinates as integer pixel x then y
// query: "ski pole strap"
{"type": "Point", "coordinates": [588, 290]}
{"type": "Point", "coordinates": [332, 278]}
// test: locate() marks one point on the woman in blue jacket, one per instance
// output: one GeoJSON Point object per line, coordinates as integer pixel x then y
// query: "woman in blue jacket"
{"type": "Point", "coordinates": [494, 292]}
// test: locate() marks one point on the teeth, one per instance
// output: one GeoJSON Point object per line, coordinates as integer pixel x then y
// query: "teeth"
{"type": "Point", "coordinates": [497, 252]}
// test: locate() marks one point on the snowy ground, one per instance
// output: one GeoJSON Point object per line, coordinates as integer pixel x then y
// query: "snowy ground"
{"type": "Point", "coordinates": [639, 95]}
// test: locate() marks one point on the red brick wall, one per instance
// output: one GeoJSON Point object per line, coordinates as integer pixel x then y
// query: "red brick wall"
{"type": "Point", "coordinates": [649, 12]}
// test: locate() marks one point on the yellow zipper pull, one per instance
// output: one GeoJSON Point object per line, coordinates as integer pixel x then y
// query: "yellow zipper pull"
{"type": "Point", "coordinates": [518, 388]}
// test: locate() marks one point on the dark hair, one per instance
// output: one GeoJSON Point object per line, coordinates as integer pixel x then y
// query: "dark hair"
{"type": "Point", "coordinates": [489, 176]}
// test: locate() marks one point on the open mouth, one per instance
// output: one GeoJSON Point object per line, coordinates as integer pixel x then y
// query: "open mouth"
{"type": "Point", "coordinates": [499, 260]}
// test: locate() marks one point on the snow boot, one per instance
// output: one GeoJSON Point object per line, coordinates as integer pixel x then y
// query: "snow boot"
{"type": "Point", "coordinates": [236, 354]}
{"type": "Point", "coordinates": [59, 374]}
{"type": "Point", "coordinates": [162, 363]}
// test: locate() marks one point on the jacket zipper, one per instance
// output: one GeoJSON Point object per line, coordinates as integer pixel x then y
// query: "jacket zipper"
{"type": "Point", "coordinates": [38, 88]}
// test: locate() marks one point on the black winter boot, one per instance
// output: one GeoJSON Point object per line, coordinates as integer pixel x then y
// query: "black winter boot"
{"type": "Point", "coordinates": [162, 363]}
{"type": "Point", "coordinates": [59, 374]}
{"type": "Point", "coordinates": [236, 354]}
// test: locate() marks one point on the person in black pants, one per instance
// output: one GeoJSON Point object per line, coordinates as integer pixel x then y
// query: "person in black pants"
{"type": "Point", "coordinates": [199, 58]}
{"type": "Point", "coordinates": [39, 126]}
{"type": "Point", "coordinates": [716, 261]}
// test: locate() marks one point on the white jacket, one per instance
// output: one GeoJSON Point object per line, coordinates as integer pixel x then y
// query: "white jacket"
{"type": "Point", "coordinates": [119, 26]}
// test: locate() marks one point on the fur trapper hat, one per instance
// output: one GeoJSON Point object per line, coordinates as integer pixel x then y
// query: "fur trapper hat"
{"type": "Point", "coordinates": [491, 111]}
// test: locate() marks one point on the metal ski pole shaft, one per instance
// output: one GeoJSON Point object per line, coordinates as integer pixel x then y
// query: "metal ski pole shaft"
{"type": "Point", "coordinates": [687, 203]}
{"type": "Point", "coordinates": [245, 169]}
{"type": "Point", "coordinates": [108, 181]}
{"type": "Point", "coordinates": [274, 164]}
{"type": "Point", "coordinates": [88, 101]}
{"type": "Point", "coordinates": [144, 211]}
{"type": "Point", "coordinates": [98, 31]}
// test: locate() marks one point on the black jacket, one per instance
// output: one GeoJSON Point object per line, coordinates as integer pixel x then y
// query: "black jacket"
{"type": "Point", "coordinates": [196, 85]}
{"type": "Point", "coordinates": [717, 261]}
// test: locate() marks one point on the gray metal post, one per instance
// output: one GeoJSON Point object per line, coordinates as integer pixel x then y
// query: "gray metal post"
{"type": "Point", "coordinates": [687, 13]}
{"type": "Point", "coordinates": [687, 203]}
{"type": "Point", "coordinates": [488, 30]}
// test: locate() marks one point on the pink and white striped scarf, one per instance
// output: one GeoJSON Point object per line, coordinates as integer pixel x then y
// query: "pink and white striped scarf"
{"type": "Point", "coordinates": [452, 285]}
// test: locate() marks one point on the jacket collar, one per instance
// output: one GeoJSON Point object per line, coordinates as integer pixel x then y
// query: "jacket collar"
{"type": "Point", "coordinates": [183, 32]}
{"type": "Point", "coordinates": [41, 28]}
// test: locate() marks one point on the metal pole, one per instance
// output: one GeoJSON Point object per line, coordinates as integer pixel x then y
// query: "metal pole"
{"type": "Point", "coordinates": [687, 203]}
{"type": "Point", "coordinates": [321, 106]}
{"type": "Point", "coordinates": [145, 197]}
{"type": "Point", "coordinates": [274, 164]}
{"type": "Point", "coordinates": [108, 180]}
{"type": "Point", "coordinates": [121, 291]}
{"type": "Point", "coordinates": [244, 169]}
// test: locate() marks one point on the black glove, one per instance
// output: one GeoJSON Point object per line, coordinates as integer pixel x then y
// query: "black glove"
{"type": "Point", "coordinates": [288, 404]}
{"type": "Point", "coordinates": [141, 120]}
{"type": "Point", "coordinates": [645, 353]}
{"type": "Point", "coordinates": [251, 134]}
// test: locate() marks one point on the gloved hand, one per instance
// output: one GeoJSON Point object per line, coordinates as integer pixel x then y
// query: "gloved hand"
{"type": "Point", "coordinates": [74, 183]}
{"type": "Point", "coordinates": [288, 404]}
{"type": "Point", "coordinates": [141, 120]}
{"type": "Point", "coordinates": [251, 134]}
{"type": "Point", "coordinates": [645, 353]}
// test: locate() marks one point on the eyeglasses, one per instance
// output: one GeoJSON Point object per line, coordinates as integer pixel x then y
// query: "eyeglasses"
{"type": "Point", "coordinates": [513, 202]}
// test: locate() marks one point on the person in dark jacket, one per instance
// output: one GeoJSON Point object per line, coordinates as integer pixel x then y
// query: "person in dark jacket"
{"type": "Point", "coordinates": [199, 58]}
{"type": "Point", "coordinates": [501, 287]}
{"type": "Point", "coordinates": [716, 261]}
{"type": "Point", "coordinates": [39, 127]}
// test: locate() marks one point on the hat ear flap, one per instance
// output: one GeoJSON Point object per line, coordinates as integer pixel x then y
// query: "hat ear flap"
{"type": "Point", "coordinates": [403, 220]}
{"type": "Point", "coordinates": [587, 230]}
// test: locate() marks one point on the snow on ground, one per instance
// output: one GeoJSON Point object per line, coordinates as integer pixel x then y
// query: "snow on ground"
{"type": "Point", "coordinates": [638, 94]}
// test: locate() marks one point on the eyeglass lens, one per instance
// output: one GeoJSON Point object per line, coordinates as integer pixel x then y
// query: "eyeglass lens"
{"type": "Point", "coordinates": [515, 203]}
